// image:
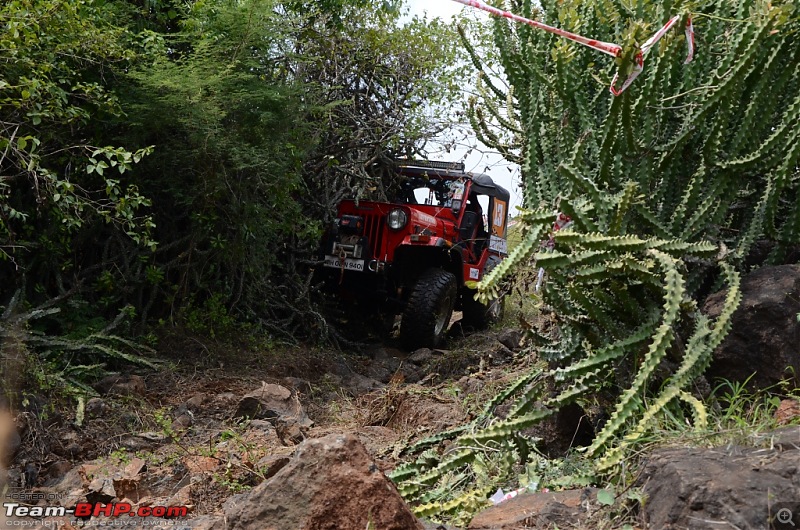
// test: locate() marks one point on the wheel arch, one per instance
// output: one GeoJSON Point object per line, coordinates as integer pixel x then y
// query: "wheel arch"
{"type": "Point", "coordinates": [410, 261]}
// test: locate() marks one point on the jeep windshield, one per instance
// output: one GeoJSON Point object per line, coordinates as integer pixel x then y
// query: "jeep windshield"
{"type": "Point", "coordinates": [444, 193]}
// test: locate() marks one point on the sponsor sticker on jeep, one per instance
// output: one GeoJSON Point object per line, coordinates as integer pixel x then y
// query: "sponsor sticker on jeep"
{"type": "Point", "coordinates": [498, 244]}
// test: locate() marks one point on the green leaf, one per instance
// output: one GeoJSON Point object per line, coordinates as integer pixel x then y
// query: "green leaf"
{"type": "Point", "coordinates": [605, 497]}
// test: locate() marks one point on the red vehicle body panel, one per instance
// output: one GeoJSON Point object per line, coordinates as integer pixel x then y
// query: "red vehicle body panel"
{"type": "Point", "coordinates": [436, 221]}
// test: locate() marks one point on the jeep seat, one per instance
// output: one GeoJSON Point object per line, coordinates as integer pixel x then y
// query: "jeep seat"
{"type": "Point", "coordinates": [469, 226]}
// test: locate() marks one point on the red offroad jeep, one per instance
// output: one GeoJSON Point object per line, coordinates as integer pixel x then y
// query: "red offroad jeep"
{"type": "Point", "coordinates": [414, 256]}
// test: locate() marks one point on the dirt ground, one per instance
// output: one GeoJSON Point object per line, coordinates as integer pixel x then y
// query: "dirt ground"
{"type": "Point", "coordinates": [172, 437]}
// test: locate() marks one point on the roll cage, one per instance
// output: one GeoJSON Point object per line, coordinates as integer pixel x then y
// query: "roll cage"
{"type": "Point", "coordinates": [450, 186]}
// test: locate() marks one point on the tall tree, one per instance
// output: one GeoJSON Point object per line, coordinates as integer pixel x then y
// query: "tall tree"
{"type": "Point", "coordinates": [383, 88]}
{"type": "Point", "coordinates": [264, 115]}
{"type": "Point", "coordinates": [229, 135]}
{"type": "Point", "coordinates": [57, 179]}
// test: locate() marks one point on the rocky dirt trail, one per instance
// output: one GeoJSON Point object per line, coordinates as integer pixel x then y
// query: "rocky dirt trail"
{"type": "Point", "coordinates": [196, 438]}
{"type": "Point", "coordinates": [301, 439]}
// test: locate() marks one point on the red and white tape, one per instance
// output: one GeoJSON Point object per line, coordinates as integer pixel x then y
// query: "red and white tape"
{"type": "Point", "coordinates": [638, 65]}
{"type": "Point", "coordinates": [605, 47]}
{"type": "Point", "coordinates": [611, 49]}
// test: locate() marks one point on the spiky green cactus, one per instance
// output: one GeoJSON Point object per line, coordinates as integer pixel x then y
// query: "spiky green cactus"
{"type": "Point", "coordinates": [668, 187]}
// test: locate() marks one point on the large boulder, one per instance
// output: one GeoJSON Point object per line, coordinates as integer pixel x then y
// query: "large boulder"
{"type": "Point", "coordinates": [331, 483]}
{"type": "Point", "coordinates": [765, 336]}
{"type": "Point", "coordinates": [727, 487]}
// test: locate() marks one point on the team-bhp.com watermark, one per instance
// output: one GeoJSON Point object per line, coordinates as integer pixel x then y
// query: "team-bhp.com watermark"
{"type": "Point", "coordinates": [118, 514]}
{"type": "Point", "coordinates": [87, 509]}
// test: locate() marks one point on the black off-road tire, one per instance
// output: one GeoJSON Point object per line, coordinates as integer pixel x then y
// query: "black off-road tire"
{"type": "Point", "coordinates": [477, 315]}
{"type": "Point", "coordinates": [429, 308]}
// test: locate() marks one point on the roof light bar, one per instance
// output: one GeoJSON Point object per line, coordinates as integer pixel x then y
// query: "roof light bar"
{"type": "Point", "coordinates": [433, 164]}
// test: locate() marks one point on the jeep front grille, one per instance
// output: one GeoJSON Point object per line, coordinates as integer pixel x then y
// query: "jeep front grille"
{"type": "Point", "coordinates": [374, 230]}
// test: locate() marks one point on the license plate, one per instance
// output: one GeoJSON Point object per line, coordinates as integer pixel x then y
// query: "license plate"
{"type": "Point", "coordinates": [349, 264]}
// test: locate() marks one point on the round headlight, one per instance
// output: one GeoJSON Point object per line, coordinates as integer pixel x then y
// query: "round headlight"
{"type": "Point", "coordinates": [397, 219]}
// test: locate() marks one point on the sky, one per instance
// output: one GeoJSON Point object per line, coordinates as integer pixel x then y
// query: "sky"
{"type": "Point", "coordinates": [435, 8]}
{"type": "Point", "coordinates": [478, 160]}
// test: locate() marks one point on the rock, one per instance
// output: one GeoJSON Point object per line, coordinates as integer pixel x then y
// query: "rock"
{"type": "Point", "coordinates": [207, 522]}
{"type": "Point", "coordinates": [272, 402]}
{"type": "Point", "coordinates": [89, 471]}
{"type": "Point", "coordinates": [130, 419]}
{"type": "Point", "coordinates": [433, 526]}
{"type": "Point", "coordinates": [30, 475]}
{"type": "Point", "coordinates": [730, 487]}
{"type": "Point", "coordinates": [511, 339]}
{"type": "Point", "coordinates": [783, 439]}
{"type": "Point", "coordinates": [788, 410]}
{"type": "Point", "coordinates": [359, 385]}
{"type": "Point", "coordinates": [58, 470]}
{"type": "Point", "coordinates": [300, 386]}
{"type": "Point", "coordinates": [128, 489]}
{"type": "Point", "coordinates": [289, 433]}
{"type": "Point", "coordinates": [183, 422]}
{"type": "Point", "coordinates": [226, 397]}
{"type": "Point", "coordinates": [421, 356]}
{"type": "Point", "coordinates": [14, 478]}
{"type": "Point", "coordinates": [96, 407]}
{"type": "Point", "coordinates": [69, 486]}
{"type": "Point", "coordinates": [329, 484]}
{"type": "Point", "coordinates": [195, 402]}
{"type": "Point", "coordinates": [765, 331]}
{"type": "Point", "coordinates": [121, 385]}
{"type": "Point", "coordinates": [128, 483]}
{"type": "Point", "coordinates": [153, 436]}
{"type": "Point", "coordinates": [497, 356]}
{"type": "Point", "coordinates": [261, 425]}
{"type": "Point", "coordinates": [182, 497]}
{"type": "Point", "coordinates": [383, 369]}
{"type": "Point", "coordinates": [271, 464]}
{"type": "Point", "coordinates": [469, 385]}
{"type": "Point", "coordinates": [411, 373]}
{"type": "Point", "coordinates": [101, 489]}
{"type": "Point", "coordinates": [559, 509]}
{"type": "Point", "coordinates": [70, 450]}
{"type": "Point", "coordinates": [136, 443]}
